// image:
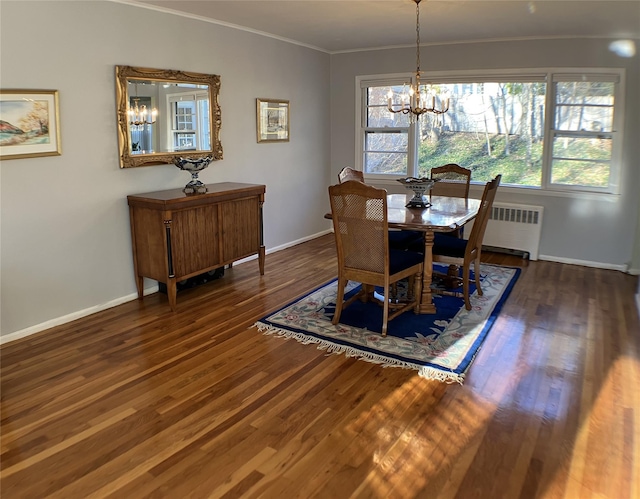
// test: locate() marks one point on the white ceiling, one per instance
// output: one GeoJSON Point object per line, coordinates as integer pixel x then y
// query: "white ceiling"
{"type": "Point", "coordinates": [342, 25]}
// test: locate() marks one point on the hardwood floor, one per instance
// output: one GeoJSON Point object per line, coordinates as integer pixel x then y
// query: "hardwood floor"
{"type": "Point", "coordinates": [137, 401]}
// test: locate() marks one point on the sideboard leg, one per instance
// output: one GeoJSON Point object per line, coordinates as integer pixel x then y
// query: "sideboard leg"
{"type": "Point", "coordinates": [140, 286]}
{"type": "Point", "coordinates": [172, 292]}
{"type": "Point", "coordinates": [261, 253]}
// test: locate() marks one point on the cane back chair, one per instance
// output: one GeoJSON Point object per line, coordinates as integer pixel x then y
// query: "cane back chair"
{"type": "Point", "coordinates": [359, 214]}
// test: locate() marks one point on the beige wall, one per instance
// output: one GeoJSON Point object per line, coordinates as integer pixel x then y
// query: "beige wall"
{"type": "Point", "coordinates": [65, 240]}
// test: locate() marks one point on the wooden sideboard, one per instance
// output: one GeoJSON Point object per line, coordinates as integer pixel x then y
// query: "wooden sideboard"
{"type": "Point", "coordinates": [176, 236]}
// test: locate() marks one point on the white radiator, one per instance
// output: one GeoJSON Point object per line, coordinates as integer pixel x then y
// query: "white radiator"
{"type": "Point", "coordinates": [513, 227]}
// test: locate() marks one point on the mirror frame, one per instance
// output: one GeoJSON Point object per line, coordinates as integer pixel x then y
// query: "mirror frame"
{"type": "Point", "coordinates": [126, 73]}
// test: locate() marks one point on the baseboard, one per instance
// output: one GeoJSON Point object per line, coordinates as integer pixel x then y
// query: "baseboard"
{"type": "Point", "coordinates": [507, 251]}
{"type": "Point", "coordinates": [286, 245]}
{"type": "Point", "coordinates": [584, 263]}
{"type": "Point", "coordinates": [633, 271]}
{"type": "Point", "coordinates": [73, 316]}
{"type": "Point", "coordinates": [133, 296]}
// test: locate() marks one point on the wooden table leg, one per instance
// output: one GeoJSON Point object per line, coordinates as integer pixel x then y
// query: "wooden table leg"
{"type": "Point", "coordinates": [426, 300]}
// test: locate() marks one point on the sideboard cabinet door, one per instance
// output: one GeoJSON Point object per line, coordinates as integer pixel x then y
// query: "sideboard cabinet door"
{"type": "Point", "coordinates": [239, 221]}
{"type": "Point", "coordinates": [195, 239]}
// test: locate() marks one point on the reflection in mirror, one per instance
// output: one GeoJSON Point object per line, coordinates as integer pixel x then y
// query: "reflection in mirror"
{"type": "Point", "coordinates": [164, 115]}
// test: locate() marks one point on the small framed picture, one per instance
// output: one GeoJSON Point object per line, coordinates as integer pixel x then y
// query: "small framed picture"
{"type": "Point", "coordinates": [272, 120]}
{"type": "Point", "coordinates": [29, 124]}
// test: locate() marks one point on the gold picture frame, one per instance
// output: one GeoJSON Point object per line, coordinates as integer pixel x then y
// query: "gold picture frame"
{"type": "Point", "coordinates": [272, 120]}
{"type": "Point", "coordinates": [29, 124]}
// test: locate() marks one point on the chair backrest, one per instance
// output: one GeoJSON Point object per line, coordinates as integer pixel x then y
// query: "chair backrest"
{"type": "Point", "coordinates": [348, 173]}
{"type": "Point", "coordinates": [359, 213]}
{"type": "Point", "coordinates": [484, 212]}
{"type": "Point", "coordinates": [452, 180]}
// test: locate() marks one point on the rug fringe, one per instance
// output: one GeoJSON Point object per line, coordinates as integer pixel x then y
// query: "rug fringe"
{"type": "Point", "coordinates": [331, 348]}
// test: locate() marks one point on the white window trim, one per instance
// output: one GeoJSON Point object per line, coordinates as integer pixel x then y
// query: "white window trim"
{"type": "Point", "coordinates": [550, 75]}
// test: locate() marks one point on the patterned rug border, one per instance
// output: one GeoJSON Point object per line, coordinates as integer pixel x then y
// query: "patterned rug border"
{"type": "Point", "coordinates": [386, 359]}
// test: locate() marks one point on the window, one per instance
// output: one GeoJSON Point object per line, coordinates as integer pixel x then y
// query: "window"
{"type": "Point", "coordinates": [189, 122]}
{"type": "Point", "coordinates": [561, 136]}
{"type": "Point", "coordinates": [386, 135]}
{"type": "Point", "coordinates": [583, 132]}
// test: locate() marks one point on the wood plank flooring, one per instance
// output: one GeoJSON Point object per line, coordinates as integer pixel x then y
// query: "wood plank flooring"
{"type": "Point", "coordinates": [137, 401]}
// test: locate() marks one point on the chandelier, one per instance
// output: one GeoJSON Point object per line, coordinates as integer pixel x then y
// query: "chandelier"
{"type": "Point", "coordinates": [139, 116]}
{"type": "Point", "coordinates": [415, 100]}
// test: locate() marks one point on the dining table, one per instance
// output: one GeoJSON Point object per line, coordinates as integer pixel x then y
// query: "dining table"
{"type": "Point", "coordinates": [443, 214]}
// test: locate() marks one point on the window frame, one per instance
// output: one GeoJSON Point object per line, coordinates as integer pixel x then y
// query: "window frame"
{"type": "Point", "coordinates": [550, 76]}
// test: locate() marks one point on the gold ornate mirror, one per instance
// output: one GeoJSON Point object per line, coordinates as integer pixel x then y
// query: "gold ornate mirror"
{"type": "Point", "coordinates": [164, 115]}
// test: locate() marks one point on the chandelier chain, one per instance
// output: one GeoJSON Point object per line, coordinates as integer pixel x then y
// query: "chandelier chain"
{"type": "Point", "coordinates": [418, 36]}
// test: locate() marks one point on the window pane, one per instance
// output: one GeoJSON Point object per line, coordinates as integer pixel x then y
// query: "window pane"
{"type": "Point", "coordinates": [385, 162]}
{"type": "Point", "coordinates": [185, 141]}
{"type": "Point", "coordinates": [581, 161]}
{"type": "Point", "coordinates": [585, 106]}
{"type": "Point", "coordinates": [377, 96]}
{"type": "Point", "coordinates": [575, 172]}
{"type": "Point", "coordinates": [378, 115]}
{"type": "Point", "coordinates": [185, 115]}
{"type": "Point", "coordinates": [380, 141]}
{"type": "Point", "coordinates": [491, 127]}
{"type": "Point", "coordinates": [582, 148]}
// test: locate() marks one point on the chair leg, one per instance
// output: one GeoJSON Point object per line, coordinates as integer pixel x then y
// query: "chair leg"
{"type": "Point", "coordinates": [411, 287]}
{"type": "Point", "coordinates": [465, 286]}
{"type": "Point", "coordinates": [476, 269]}
{"type": "Point", "coordinates": [385, 311]}
{"type": "Point", "coordinates": [339, 301]}
{"type": "Point", "coordinates": [394, 292]}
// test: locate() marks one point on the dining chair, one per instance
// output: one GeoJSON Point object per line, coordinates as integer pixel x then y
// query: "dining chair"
{"type": "Point", "coordinates": [359, 214]}
{"type": "Point", "coordinates": [452, 180]}
{"type": "Point", "coordinates": [464, 252]}
{"type": "Point", "coordinates": [348, 173]}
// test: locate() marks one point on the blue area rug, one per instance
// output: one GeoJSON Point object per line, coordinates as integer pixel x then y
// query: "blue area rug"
{"type": "Point", "coordinates": [439, 346]}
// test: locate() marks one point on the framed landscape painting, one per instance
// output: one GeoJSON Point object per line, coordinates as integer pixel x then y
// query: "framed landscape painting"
{"type": "Point", "coordinates": [272, 120]}
{"type": "Point", "coordinates": [29, 124]}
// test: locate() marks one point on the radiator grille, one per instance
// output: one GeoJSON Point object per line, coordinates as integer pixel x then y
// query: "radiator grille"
{"type": "Point", "coordinates": [517, 215]}
{"type": "Point", "coordinates": [513, 227]}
